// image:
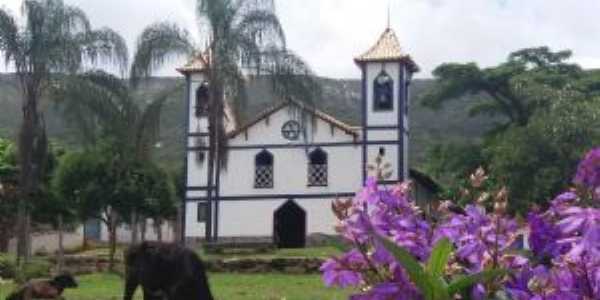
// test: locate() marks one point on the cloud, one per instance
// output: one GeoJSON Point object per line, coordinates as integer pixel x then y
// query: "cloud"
{"type": "Point", "coordinates": [330, 33]}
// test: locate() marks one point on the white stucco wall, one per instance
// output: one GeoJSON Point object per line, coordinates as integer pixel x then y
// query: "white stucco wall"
{"type": "Point", "coordinates": [248, 211]}
{"type": "Point", "coordinates": [193, 228]}
{"type": "Point", "coordinates": [255, 217]}
{"type": "Point", "coordinates": [47, 242]}
{"type": "Point", "coordinates": [124, 232]}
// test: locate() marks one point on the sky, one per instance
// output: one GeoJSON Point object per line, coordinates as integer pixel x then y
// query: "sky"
{"type": "Point", "coordinates": [330, 33]}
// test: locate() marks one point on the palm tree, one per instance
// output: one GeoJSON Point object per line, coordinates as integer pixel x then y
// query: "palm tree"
{"type": "Point", "coordinates": [104, 109]}
{"type": "Point", "coordinates": [52, 39]}
{"type": "Point", "coordinates": [239, 31]}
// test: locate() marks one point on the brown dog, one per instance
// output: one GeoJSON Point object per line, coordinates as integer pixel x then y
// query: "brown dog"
{"type": "Point", "coordinates": [44, 289]}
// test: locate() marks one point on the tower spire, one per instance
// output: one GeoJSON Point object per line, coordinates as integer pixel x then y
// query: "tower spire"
{"type": "Point", "coordinates": [388, 15]}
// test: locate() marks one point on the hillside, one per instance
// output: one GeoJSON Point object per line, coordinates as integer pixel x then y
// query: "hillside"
{"type": "Point", "coordinates": [341, 99]}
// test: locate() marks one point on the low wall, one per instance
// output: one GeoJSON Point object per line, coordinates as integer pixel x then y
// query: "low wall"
{"type": "Point", "coordinates": [80, 264]}
{"type": "Point", "coordinates": [47, 241]}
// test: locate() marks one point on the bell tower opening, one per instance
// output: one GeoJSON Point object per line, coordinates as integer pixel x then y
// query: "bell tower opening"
{"type": "Point", "coordinates": [383, 92]}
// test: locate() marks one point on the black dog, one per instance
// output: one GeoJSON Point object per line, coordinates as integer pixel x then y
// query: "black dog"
{"type": "Point", "coordinates": [44, 289]}
{"type": "Point", "coordinates": [165, 271]}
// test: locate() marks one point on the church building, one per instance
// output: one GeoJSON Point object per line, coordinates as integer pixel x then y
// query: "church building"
{"type": "Point", "coordinates": [283, 174]}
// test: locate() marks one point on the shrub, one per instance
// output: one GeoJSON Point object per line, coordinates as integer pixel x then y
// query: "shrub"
{"type": "Point", "coordinates": [7, 266]}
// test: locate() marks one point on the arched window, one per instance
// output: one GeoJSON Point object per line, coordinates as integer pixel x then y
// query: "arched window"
{"type": "Point", "coordinates": [202, 100]}
{"type": "Point", "coordinates": [383, 92]}
{"type": "Point", "coordinates": [317, 168]}
{"type": "Point", "coordinates": [263, 174]}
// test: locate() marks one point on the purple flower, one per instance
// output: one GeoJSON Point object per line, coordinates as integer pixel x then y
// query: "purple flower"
{"type": "Point", "coordinates": [544, 236]}
{"type": "Point", "coordinates": [344, 271]}
{"type": "Point", "coordinates": [478, 237]}
{"type": "Point", "coordinates": [387, 291]}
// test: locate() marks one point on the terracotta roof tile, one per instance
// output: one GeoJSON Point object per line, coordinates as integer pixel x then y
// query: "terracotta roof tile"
{"type": "Point", "coordinates": [387, 48]}
{"type": "Point", "coordinates": [196, 64]}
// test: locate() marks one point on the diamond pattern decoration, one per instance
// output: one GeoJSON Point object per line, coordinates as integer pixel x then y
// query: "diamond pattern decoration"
{"type": "Point", "coordinates": [317, 175]}
{"type": "Point", "coordinates": [263, 177]}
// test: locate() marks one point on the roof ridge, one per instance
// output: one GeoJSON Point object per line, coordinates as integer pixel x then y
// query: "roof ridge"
{"type": "Point", "coordinates": [347, 128]}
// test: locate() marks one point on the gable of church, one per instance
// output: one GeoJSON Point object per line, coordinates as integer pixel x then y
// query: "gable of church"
{"type": "Point", "coordinates": [292, 123]}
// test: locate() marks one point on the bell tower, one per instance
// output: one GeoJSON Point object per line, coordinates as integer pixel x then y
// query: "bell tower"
{"type": "Point", "coordinates": [386, 75]}
{"type": "Point", "coordinates": [197, 143]}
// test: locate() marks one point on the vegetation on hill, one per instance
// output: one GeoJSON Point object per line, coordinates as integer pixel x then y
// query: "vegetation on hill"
{"type": "Point", "coordinates": [550, 110]}
{"type": "Point", "coordinates": [340, 99]}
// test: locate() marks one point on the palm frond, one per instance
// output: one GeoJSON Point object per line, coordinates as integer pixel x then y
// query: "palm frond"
{"type": "Point", "coordinates": [106, 46]}
{"type": "Point", "coordinates": [263, 27]}
{"type": "Point", "coordinates": [96, 103]}
{"type": "Point", "coordinates": [148, 127]}
{"type": "Point", "coordinates": [244, 7]}
{"type": "Point", "coordinates": [9, 35]}
{"type": "Point", "coordinates": [293, 78]}
{"type": "Point", "coordinates": [158, 43]}
{"type": "Point", "coordinates": [235, 91]}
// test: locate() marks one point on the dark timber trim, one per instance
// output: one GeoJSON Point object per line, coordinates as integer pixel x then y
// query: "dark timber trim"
{"type": "Point", "coordinates": [391, 127]}
{"type": "Point", "coordinates": [186, 155]}
{"type": "Point", "coordinates": [197, 134]}
{"type": "Point", "coordinates": [303, 146]}
{"type": "Point", "coordinates": [402, 100]}
{"type": "Point", "coordinates": [197, 188]}
{"type": "Point", "coordinates": [364, 109]}
{"type": "Point", "coordinates": [217, 201]}
{"type": "Point", "coordinates": [275, 196]}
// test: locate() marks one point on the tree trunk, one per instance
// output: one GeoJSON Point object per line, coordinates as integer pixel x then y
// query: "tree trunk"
{"type": "Point", "coordinates": [28, 250]}
{"type": "Point", "coordinates": [4, 238]}
{"type": "Point", "coordinates": [33, 146]}
{"type": "Point", "coordinates": [134, 228]}
{"type": "Point", "coordinates": [112, 241]}
{"type": "Point", "coordinates": [213, 144]}
{"type": "Point", "coordinates": [60, 261]}
{"type": "Point", "coordinates": [158, 229]}
{"type": "Point", "coordinates": [178, 226]}
{"type": "Point", "coordinates": [143, 225]}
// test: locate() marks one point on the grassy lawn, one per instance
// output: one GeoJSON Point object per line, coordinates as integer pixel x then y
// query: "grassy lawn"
{"type": "Point", "coordinates": [224, 286]}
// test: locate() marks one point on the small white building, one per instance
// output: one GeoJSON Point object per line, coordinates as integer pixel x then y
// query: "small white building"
{"type": "Point", "coordinates": [283, 175]}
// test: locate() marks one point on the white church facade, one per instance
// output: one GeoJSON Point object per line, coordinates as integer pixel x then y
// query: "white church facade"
{"type": "Point", "coordinates": [282, 175]}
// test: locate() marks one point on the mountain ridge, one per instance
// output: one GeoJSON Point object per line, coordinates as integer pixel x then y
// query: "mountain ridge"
{"type": "Point", "coordinates": [341, 98]}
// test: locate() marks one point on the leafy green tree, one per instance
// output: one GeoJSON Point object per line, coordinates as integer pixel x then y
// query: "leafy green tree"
{"type": "Point", "coordinates": [533, 158]}
{"type": "Point", "coordinates": [513, 89]}
{"type": "Point", "coordinates": [159, 203]}
{"type": "Point", "coordinates": [53, 39]}
{"type": "Point", "coordinates": [8, 192]}
{"type": "Point", "coordinates": [239, 31]}
{"type": "Point", "coordinates": [106, 113]}
{"type": "Point", "coordinates": [453, 162]}
{"type": "Point", "coordinates": [50, 209]}
{"type": "Point", "coordinates": [538, 161]}
{"type": "Point", "coordinates": [97, 186]}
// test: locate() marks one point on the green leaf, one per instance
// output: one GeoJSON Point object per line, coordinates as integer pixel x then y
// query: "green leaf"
{"type": "Point", "coordinates": [432, 288]}
{"type": "Point", "coordinates": [439, 258]}
{"type": "Point", "coordinates": [464, 282]}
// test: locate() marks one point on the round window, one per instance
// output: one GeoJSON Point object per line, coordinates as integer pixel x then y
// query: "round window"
{"type": "Point", "coordinates": [291, 130]}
